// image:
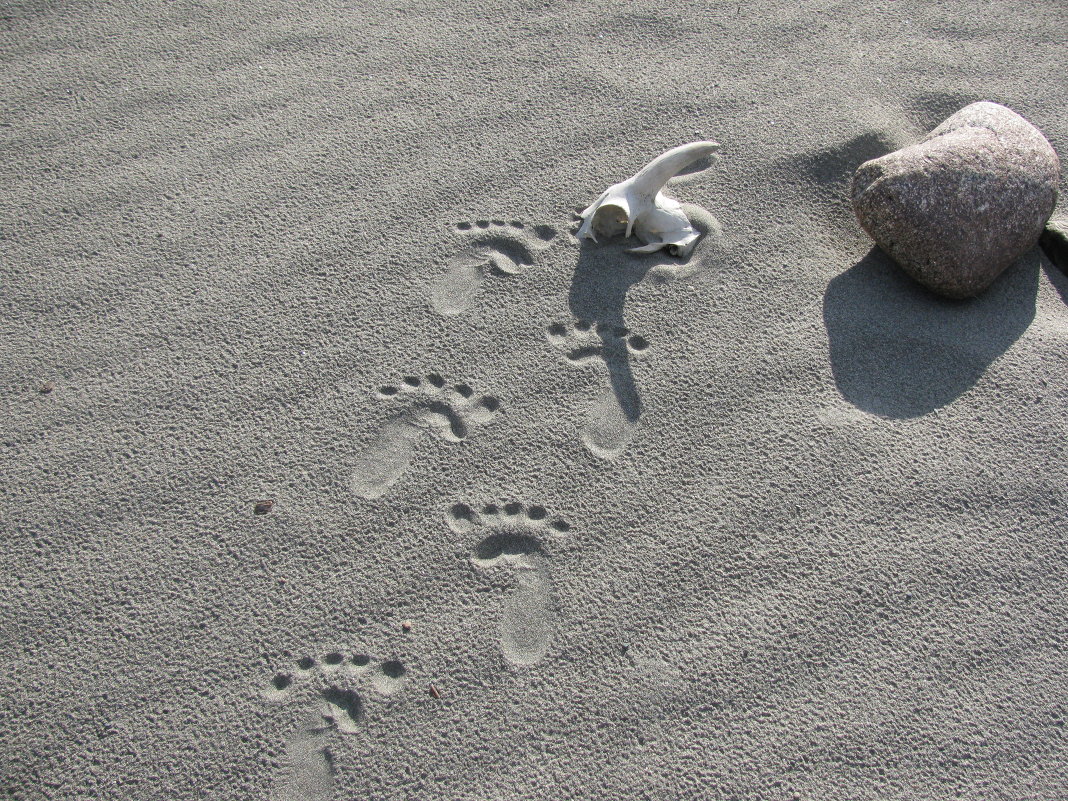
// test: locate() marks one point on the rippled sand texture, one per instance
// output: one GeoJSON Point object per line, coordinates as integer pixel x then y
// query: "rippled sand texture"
{"type": "Point", "coordinates": [333, 466]}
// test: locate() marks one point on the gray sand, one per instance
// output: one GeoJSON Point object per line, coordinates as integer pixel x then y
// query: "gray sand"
{"type": "Point", "coordinates": [807, 543]}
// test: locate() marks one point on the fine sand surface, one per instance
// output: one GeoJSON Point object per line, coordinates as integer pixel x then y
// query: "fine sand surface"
{"type": "Point", "coordinates": [774, 523]}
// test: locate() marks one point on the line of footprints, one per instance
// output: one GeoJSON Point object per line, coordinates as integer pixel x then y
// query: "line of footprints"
{"type": "Point", "coordinates": [584, 342]}
{"type": "Point", "coordinates": [430, 407]}
{"type": "Point", "coordinates": [512, 537]}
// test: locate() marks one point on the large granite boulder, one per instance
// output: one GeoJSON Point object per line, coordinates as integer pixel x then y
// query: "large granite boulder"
{"type": "Point", "coordinates": [960, 206]}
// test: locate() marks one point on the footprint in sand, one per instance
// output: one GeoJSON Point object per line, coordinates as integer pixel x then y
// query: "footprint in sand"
{"type": "Point", "coordinates": [491, 248]}
{"type": "Point", "coordinates": [332, 687]}
{"type": "Point", "coordinates": [513, 535]}
{"type": "Point", "coordinates": [614, 413]}
{"type": "Point", "coordinates": [431, 407]}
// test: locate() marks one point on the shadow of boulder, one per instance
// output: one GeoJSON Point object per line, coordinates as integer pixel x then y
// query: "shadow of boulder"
{"type": "Point", "coordinates": [827, 174]}
{"type": "Point", "coordinates": [900, 351]}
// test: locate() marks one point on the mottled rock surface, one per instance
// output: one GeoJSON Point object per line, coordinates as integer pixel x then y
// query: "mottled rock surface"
{"type": "Point", "coordinates": [960, 206]}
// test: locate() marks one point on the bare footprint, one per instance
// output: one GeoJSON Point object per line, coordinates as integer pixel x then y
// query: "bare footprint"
{"type": "Point", "coordinates": [613, 415]}
{"type": "Point", "coordinates": [333, 680]}
{"type": "Point", "coordinates": [310, 774]}
{"type": "Point", "coordinates": [379, 467]}
{"type": "Point", "coordinates": [330, 686]}
{"type": "Point", "coordinates": [491, 248]}
{"type": "Point", "coordinates": [431, 407]}
{"type": "Point", "coordinates": [607, 430]}
{"type": "Point", "coordinates": [512, 540]}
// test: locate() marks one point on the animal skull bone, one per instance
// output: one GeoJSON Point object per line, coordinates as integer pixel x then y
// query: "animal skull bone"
{"type": "Point", "coordinates": [639, 206]}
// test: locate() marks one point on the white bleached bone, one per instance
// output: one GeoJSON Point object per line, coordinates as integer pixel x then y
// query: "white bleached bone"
{"type": "Point", "coordinates": [639, 206]}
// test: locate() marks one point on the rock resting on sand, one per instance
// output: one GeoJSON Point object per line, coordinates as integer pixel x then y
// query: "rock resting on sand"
{"type": "Point", "coordinates": [963, 204]}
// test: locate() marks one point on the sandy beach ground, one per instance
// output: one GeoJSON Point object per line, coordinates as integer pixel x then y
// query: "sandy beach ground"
{"type": "Point", "coordinates": [773, 523]}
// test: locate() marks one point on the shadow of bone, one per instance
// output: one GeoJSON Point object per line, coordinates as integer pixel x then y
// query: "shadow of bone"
{"type": "Point", "coordinates": [603, 276]}
{"type": "Point", "coordinates": [900, 351]}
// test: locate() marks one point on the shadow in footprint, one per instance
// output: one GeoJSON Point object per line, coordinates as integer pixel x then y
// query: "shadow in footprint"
{"type": "Point", "coordinates": [507, 546]}
{"type": "Point", "coordinates": [900, 351]}
{"type": "Point", "coordinates": [344, 709]}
